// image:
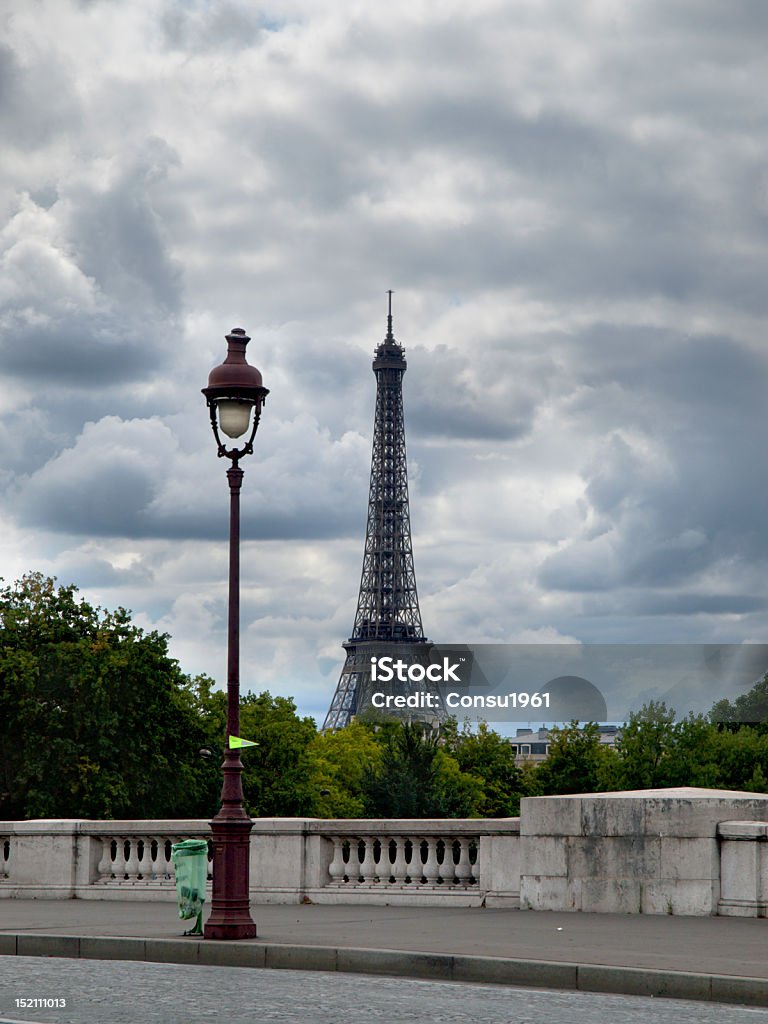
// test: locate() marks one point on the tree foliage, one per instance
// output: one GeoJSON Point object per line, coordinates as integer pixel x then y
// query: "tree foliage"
{"type": "Point", "coordinates": [750, 707]}
{"type": "Point", "coordinates": [416, 778]}
{"type": "Point", "coordinates": [577, 763]}
{"type": "Point", "coordinates": [489, 757]}
{"type": "Point", "coordinates": [98, 721]}
{"type": "Point", "coordinates": [340, 762]}
{"type": "Point", "coordinates": [93, 711]}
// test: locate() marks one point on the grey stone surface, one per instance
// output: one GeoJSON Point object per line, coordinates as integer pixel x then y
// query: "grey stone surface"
{"type": "Point", "coordinates": [303, 958]}
{"type": "Point", "coordinates": [638, 953]}
{"type": "Point", "coordinates": [640, 852]}
{"type": "Point", "coordinates": [716, 945]}
{"type": "Point", "coordinates": [631, 981]}
{"type": "Point", "coordinates": [48, 945]}
{"type": "Point", "coordinates": [515, 972]}
{"type": "Point", "coordinates": [105, 948]}
{"type": "Point", "coordinates": [119, 993]}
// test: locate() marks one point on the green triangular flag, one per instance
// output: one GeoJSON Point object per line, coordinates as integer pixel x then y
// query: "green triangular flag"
{"type": "Point", "coordinates": [235, 741]}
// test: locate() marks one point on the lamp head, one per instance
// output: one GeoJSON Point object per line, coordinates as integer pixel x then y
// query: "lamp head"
{"type": "Point", "coordinates": [234, 395]}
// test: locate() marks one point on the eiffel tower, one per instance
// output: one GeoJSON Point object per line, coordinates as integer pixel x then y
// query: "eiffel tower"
{"type": "Point", "coordinates": [388, 620]}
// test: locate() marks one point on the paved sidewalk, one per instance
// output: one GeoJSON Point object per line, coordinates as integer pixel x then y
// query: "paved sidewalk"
{"type": "Point", "coordinates": [725, 959]}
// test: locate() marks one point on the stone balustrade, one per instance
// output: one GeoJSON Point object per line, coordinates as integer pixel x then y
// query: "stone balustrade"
{"type": "Point", "coordinates": [441, 862]}
{"type": "Point", "coordinates": [676, 851]}
{"type": "Point", "coordinates": [468, 862]}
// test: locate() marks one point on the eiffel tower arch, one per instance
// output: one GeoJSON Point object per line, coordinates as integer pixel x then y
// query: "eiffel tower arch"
{"type": "Point", "coordinates": [388, 619]}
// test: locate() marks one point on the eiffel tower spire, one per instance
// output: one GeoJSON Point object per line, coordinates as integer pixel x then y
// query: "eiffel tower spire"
{"type": "Point", "coordinates": [388, 619]}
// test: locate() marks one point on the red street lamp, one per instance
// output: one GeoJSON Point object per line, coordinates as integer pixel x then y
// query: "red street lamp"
{"type": "Point", "coordinates": [235, 395]}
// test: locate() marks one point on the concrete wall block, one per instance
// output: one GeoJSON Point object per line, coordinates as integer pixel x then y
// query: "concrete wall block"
{"type": "Point", "coordinates": [545, 892]}
{"type": "Point", "coordinates": [544, 855]}
{"type": "Point", "coordinates": [697, 814]}
{"type": "Point", "coordinates": [87, 856]}
{"type": "Point", "coordinates": [550, 816]}
{"type": "Point", "coordinates": [318, 854]}
{"type": "Point", "coordinates": [613, 857]}
{"type": "Point", "coordinates": [689, 858]}
{"type": "Point", "coordinates": [277, 861]}
{"type": "Point", "coordinates": [44, 860]}
{"type": "Point", "coordinates": [603, 816]}
{"type": "Point", "coordinates": [611, 896]}
{"type": "Point", "coordinates": [740, 870]}
{"type": "Point", "coordinates": [683, 898]}
{"type": "Point", "coordinates": [499, 859]}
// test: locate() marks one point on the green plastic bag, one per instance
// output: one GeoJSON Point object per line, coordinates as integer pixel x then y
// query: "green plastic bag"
{"type": "Point", "coordinates": [190, 859]}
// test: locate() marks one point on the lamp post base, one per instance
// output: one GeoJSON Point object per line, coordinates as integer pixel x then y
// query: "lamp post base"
{"type": "Point", "coordinates": [245, 929]}
{"type": "Point", "coordinates": [230, 911]}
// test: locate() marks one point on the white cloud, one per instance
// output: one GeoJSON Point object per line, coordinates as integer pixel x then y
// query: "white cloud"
{"type": "Point", "coordinates": [570, 203]}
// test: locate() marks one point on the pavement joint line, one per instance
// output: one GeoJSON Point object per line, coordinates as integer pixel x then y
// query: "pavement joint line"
{"type": "Point", "coordinates": [425, 965]}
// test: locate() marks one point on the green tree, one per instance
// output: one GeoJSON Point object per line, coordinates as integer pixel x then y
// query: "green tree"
{"type": "Point", "coordinates": [278, 771]}
{"type": "Point", "coordinates": [577, 762]}
{"type": "Point", "coordinates": [749, 707]}
{"type": "Point", "coordinates": [491, 758]}
{"type": "Point", "coordinates": [339, 762]}
{"type": "Point", "coordinates": [417, 779]}
{"type": "Point", "coordinates": [645, 745]}
{"type": "Point", "coordinates": [96, 720]}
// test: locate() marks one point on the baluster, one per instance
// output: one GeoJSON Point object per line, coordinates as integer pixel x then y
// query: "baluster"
{"type": "Point", "coordinates": [354, 865]}
{"type": "Point", "coordinates": [119, 864]}
{"type": "Point", "coordinates": [368, 869]}
{"type": "Point", "coordinates": [431, 865]}
{"type": "Point", "coordinates": [144, 857]}
{"type": "Point", "coordinates": [399, 868]}
{"type": "Point", "coordinates": [447, 870]}
{"type": "Point", "coordinates": [464, 868]}
{"type": "Point", "coordinates": [337, 868]}
{"type": "Point", "coordinates": [473, 848]}
{"type": "Point", "coordinates": [105, 864]}
{"type": "Point", "coordinates": [152, 863]}
{"type": "Point", "coordinates": [388, 854]}
{"type": "Point", "coordinates": [168, 852]}
{"type": "Point", "coordinates": [132, 861]}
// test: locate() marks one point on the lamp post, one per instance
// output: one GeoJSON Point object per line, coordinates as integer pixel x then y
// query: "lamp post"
{"type": "Point", "coordinates": [235, 395]}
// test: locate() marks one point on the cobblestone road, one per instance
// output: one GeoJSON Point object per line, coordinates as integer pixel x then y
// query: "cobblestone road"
{"type": "Point", "coordinates": [102, 992]}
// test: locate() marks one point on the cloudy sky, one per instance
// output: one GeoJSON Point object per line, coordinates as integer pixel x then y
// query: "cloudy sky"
{"type": "Point", "coordinates": [570, 201]}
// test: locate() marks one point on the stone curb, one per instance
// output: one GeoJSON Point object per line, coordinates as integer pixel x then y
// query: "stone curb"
{"type": "Point", "coordinates": [640, 981]}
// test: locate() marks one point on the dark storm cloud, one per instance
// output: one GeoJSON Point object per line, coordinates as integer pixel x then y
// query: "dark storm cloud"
{"type": "Point", "coordinates": [114, 482]}
{"type": "Point", "coordinates": [625, 217]}
{"type": "Point", "coordinates": [491, 396]}
{"type": "Point", "coordinates": [684, 492]}
{"type": "Point", "coordinates": [119, 239]}
{"type": "Point", "coordinates": [81, 353]}
{"type": "Point", "coordinates": [572, 202]}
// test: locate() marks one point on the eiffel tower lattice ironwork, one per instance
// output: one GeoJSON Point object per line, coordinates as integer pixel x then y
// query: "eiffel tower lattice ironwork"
{"type": "Point", "coordinates": [388, 619]}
